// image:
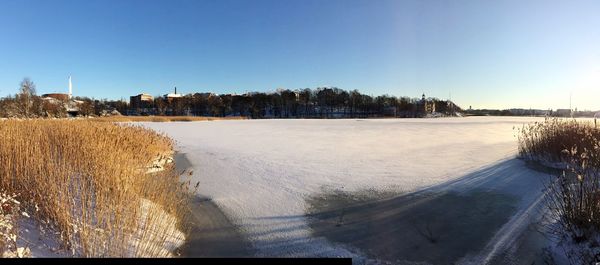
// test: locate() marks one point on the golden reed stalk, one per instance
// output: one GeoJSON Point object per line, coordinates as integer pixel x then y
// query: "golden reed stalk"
{"type": "Point", "coordinates": [89, 181]}
{"type": "Point", "coordinates": [163, 118]}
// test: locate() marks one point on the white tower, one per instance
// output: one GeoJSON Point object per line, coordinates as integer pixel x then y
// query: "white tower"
{"type": "Point", "coordinates": [70, 88]}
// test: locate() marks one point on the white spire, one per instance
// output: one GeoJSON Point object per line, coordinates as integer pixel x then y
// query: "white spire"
{"type": "Point", "coordinates": [70, 88]}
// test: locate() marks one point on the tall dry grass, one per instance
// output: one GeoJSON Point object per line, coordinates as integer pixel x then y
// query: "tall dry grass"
{"type": "Point", "coordinates": [553, 140]}
{"type": "Point", "coordinates": [163, 118]}
{"type": "Point", "coordinates": [89, 181]}
{"type": "Point", "coordinates": [573, 197]}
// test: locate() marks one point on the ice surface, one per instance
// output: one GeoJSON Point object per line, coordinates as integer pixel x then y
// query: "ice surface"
{"type": "Point", "coordinates": [261, 171]}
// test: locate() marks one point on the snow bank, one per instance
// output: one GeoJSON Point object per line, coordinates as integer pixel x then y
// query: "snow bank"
{"type": "Point", "coordinates": [42, 242]}
{"type": "Point", "coordinates": [21, 236]}
{"type": "Point", "coordinates": [261, 171]}
{"type": "Point", "coordinates": [157, 235]}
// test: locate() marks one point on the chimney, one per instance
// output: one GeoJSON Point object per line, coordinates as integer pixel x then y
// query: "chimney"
{"type": "Point", "coordinates": [70, 88]}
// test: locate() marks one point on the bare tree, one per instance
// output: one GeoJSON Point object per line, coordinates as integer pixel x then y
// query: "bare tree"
{"type": "Point", "coordinates": [26, 96]}
{"type": "Point", "coordinates": [87, 107]}
{"type": "Point", "coordinates": [161, 105]}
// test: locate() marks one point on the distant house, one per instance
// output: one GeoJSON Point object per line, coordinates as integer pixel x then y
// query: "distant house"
{"type": "Point", "coordinates": [205, 95]}
{"type": "Point", "coordinates": [425, 106]}
{"type": "Point", "coordinates": [56, 96]}
{"type": "Point", "coordinates": [563, 113]}
{"type": "Point", "coordinates": [173, 96]}
{"type": "Point", "coordinates": [71, 105]}
{"type": "Point", "coordinates": [141, 101]}
{"type": "Point", "coordinates": [141, 104]}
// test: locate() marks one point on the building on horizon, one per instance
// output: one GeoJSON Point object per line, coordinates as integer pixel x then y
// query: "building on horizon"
{"type": "Point", "coordinates": [56, 96]}
{"type": "Point", "coordinates": [142, 100]}
{"type": "Point", "coordinates": [529, 112]}
{"type": "Point", "coordinates": [425, 106]}
{"type": "Point", "coordinates": [173, 96]}
{"type": "Point", "coordinates": [70, 104]}
{"type": "Point", "coordinates": [141, 104]}
{"type": "Point", "coordinates": [562, 113]}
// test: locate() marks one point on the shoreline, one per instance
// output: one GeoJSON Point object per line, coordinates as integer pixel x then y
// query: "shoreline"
{"type": "Point", "coordinates": [212, 234]}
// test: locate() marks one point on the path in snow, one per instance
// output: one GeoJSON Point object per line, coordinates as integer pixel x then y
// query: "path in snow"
{"type": "Point", "coordinates": [261, 172]}
{"type": "Point", "coordinates": [466, 221]}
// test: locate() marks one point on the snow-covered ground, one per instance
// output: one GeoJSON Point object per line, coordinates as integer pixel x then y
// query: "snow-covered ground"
{"type": "Point", "coordinates": [260, 172]}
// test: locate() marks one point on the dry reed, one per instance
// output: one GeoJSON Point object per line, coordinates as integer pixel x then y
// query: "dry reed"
{"type": "Point", "coordinates": [162, 118]}
{"type": "Point", "coordinates": [553, 139]}
{"type": "Point", "coordinates": [573, 197]}
{"type": "Point", "coordinates": [89, 181]}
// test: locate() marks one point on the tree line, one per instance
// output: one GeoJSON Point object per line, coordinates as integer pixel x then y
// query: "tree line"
{"type": "Point", "coordinates": [322, 102]}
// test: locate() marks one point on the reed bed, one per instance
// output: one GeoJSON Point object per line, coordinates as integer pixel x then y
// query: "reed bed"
{"type": "Point", "coordinates": [573, 197]}
{"type": "Point", "coordinates": [89, 182]}
{"type": "Point", "coordinates": [163, 118]}
{"type": "Point", "coordinates": [554, 139]}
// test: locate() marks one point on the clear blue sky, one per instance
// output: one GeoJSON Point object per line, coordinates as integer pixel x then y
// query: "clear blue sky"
{"type": "Point", "coordinates": [494, 54]}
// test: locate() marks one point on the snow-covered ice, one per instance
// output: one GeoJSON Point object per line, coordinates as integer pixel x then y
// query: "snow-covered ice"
{"type": "Point", "coordinates": [261, 171]}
